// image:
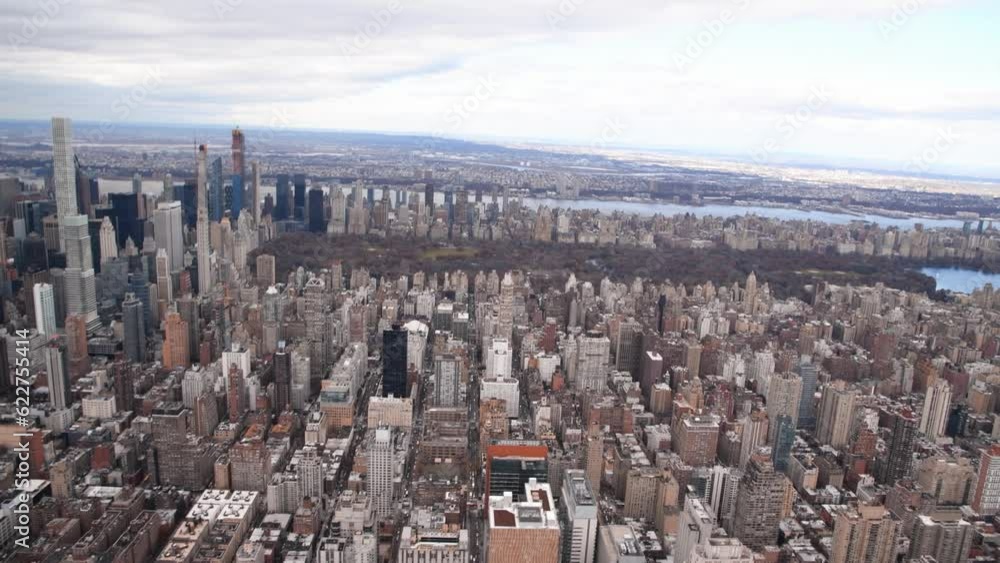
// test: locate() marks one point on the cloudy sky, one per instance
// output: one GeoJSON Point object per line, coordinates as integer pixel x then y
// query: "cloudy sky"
{"type": "Point", "coordinates": [889, 83]}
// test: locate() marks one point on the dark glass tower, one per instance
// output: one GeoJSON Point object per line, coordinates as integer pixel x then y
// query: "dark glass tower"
{"type": "Point", "coordinates": [281, 197]}
{"type": "Point", "coordinates": [394, 362]}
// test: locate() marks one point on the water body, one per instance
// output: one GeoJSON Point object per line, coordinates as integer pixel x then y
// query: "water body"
{"type": "Point", "coordinates": [641, 208]}
{"type": "Point", "coordinates": [961, 279]}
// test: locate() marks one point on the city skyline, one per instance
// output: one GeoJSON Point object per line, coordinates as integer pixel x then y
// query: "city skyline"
{"type": "Point", "coordinates": [879, 83]}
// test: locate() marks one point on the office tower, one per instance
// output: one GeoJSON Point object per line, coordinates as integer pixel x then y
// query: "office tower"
{"type": "Point", "coordinates": [282, 198]}
{"type": "Point", "coordinates": [650, 372]}
{"type": "Point", "coordinates": [807, 407]}
{"type": "Point", "coordinates": [216, 196]}
{"type": "Point", "coordinates": [721, 550]}
{"type": "Point", "coordinates": [45, 308]}
{"type": "Point", "coordinates": [282, 376]}
{"type": "Point", "coordinates": [593, 351]}
{"type": "Point", "coordinates": [78, 358]}
{"type": "Point", "coordinates": [108, 240]}
{"type": "Point", "coordinates": [987, 498]}
{"type": "Point", "coordinates": [519, 531]}
{"type": "Point", "coordinates": [578, 512]}
{"type": "Point", "coordinates": [255, 191]}
{"type": "Point", "coordinates": [250, 461]}
{"type": "Point", "coordinates": [758, 504]}
{"type": "Point", "coordinates": [696, 525]}
{"type": "Point", "coordinates": [239, 153]}
{"type": "Point", "coordinates": [394, 369]}
{"type": "Point", "coordinates": [265, 270]}
{"type": "Point", "coordinates": [338, 211]}
{"type": "Point", "coordinates": [899, 457]}
{"type": "Point", "coordinates": [381, 464]}
{"type": "Point", "coordinates": [784, 395]}
{"type": "Point", "coordinates": [271, 315]}
{"type": "Point", "coordinates": [511, 464]}
{"type": "Point", "coordinates": [628, 347]}
{"type": "Point", "coordinates": [498, 359]}
{"type": "Point", "coordinates": [168, 228]}
{"type": "Point", "coordinates": [142, 289]}
{"type": "Point", "coordinates": [164, 284]}
{"type": "Point", "coordinates": [836, 413]}
{"type": "Point", "coordinates": [168, 188]}
{"type": "Point", "coordinates": [64, 169]}
{"type": "Point", "coordinates": [943, 535]}
{"type": "Point", "coordinates": [937, 406]}
{"type": "Point", "coordinates": [81, 292]}
{"type": "Point", "coordinates": [137, 184]}
{"type": "Point", "coordinates": [134, 333]}
{"type": "Point", "coordinates": [317, 212]}
{"type": "Point", "coordinates": [235, 391]}
{"type": "Point", "coordinates": [57, 374]}
{"type": "Point", "coordinates": [755, 430]}
{"type": "Point", "coordinates": [864, 534]}
{"type": "Point", "coordinates": [310, 471]}
{"type": "Point", "coordinates": [697, 439]}
{"type": "Point", "coordinates": [204, 265]}
{"type": "Point", "coordinates": [447, 381]}
{"type": "Point", "coordinates": [175, 342]}
{"type": "Point", "coordinates": [299, 196]}
{"type": "Point", "coordinates": [784, 439]}
{"type": "Point", "coordinates": [237, 200]}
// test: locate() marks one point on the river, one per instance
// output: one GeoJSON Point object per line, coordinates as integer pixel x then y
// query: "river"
{"type": "Point", "coordinates": [961, 279]}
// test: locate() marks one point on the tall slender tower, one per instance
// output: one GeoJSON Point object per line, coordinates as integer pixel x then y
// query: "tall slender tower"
{"type": "Point", "coordinates": [201, 227]}
{"type": "Point", "coordinates": [63, 170]}
{"type": "Point", "coordinates": [255, 191]}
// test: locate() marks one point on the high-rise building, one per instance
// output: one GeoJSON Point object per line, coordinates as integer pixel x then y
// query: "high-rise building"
{"type": "Point", "coordinates": [45, 308]}
{"type": "Point", "coordinates": [202, 229]}
{"type": "Point", "coordinates": [865, 534]}
{"type": "Point", "coordinates": [108, 241]}
{"type": "Point", "coordinates": [784, 395]}
{"type": "Point", "coordinates": [175, 342]}
{"type": "Point", "coordinates": [282, 198]}
{"type": "Point", "coordinates": [578, 512]}
{"type": "Point", "coordinates": [57, 373]}
{"type": "Point", "coordinates": [64, 168]}
{"type": "Point", "coordinates": [317, 211]}
{"type": "Point", "coordinates": [937, 406]}
{"type": "Point", "coordinates": [498, 359]}
{"type": "Point", "coordinates": [381, 464]}
{"type": "Point", "coordinates": [755, 430]}
{"type": "Point", "coordinates": [168, 230]}
{"type": "Point", "coordinates": [807, 405]}
{"type": "Point", "coordinates": [81, 291]}
{"type": "Point", "coordinates": [164, 282]}
{"type": "Point", "coordinates": [943, 535]}
{"type": "Point", "coordinates": [836, 413]}
{"type": "Point", "coordinates": [784, 439]}
{"type": "Point", "coordinates": [527, 530]}
{"type": "Point", "coordinates": [512, 464]}
{"type": "Point", "coordinates": [77, 356]}
{"type": "Point", "coordinates": [447, 381]}
{"type": "Point", "coordinates": [987, 498]}
{"type": "Point", "coordinates": [134, 333]}
{"type": "Point", "coordinates": [239, 153]}
{"type": "Point", "coordinates": [216, 191]}
{"type": "Point", "coordinates": [697, 439]}
{"type": "Point", "coordinates": [282, 376]}
{"type": "Point", "coordinates": [898, 460]}
{"type": "Point", "coordinates": [758, 504]}
{"type": "Point", "coordinates": [394, 369]}
{"type": "Point", "coordinates": [697, 523]}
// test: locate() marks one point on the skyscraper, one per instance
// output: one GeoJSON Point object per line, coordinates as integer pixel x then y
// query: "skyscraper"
{"type": "Point", "coordinates": [394, 369]}
{"type": "Point", "coordinates": [696, 525]}
{"type": "Point", "coordinates": [81, 291]}
{"type": "Point", "coordinates": [758, 504]}
{"type": "Point", "coordinates": [784, 395]}
{"type": "Point", "coordinates": [134, 334]}
{"type": "Point", "coordinates": [204, 265]}
{"type": "Point", "coordinates": [63, 169]}
{"type": "Point", "coordinates": [781, 450]}
{"type": "Point", "coordinates": [898, 460]}
{"type": "Point", "coordinates": [282, 197]}
{"type": "Point", "coordinates": [317, 213]}
{"type": "Point", "coordinates": [168, 229]}
{"type": "Point", "coordinates": [45, 308]}
{"type": "Point", "coordinates": [239, 153]}
{"type": "Point", "coordinates": [57, 373]}
{"type": "Point", "coordinates": [807, 407]}
{"type": "Point", "coordinates": [836, 412]}
{"type": "Point", "coordinates": [255, 190]}
{"type": "Point", "coordinates": [937, 405]}
{"type": "Point", "coordinates": [108, 240]}
{"type": "Point", "coordinates": [987, 498]}
{"type": "Point", "coordinates": [175, 342]}
{"type": "Point", "coordinates": [578, 512]}
{"type": "Point", "coordinates": [381, 464]}
{"type": "Point", "coordinates": [865, 534]}
{"type": "Point", "coordinates": [216, 188]}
